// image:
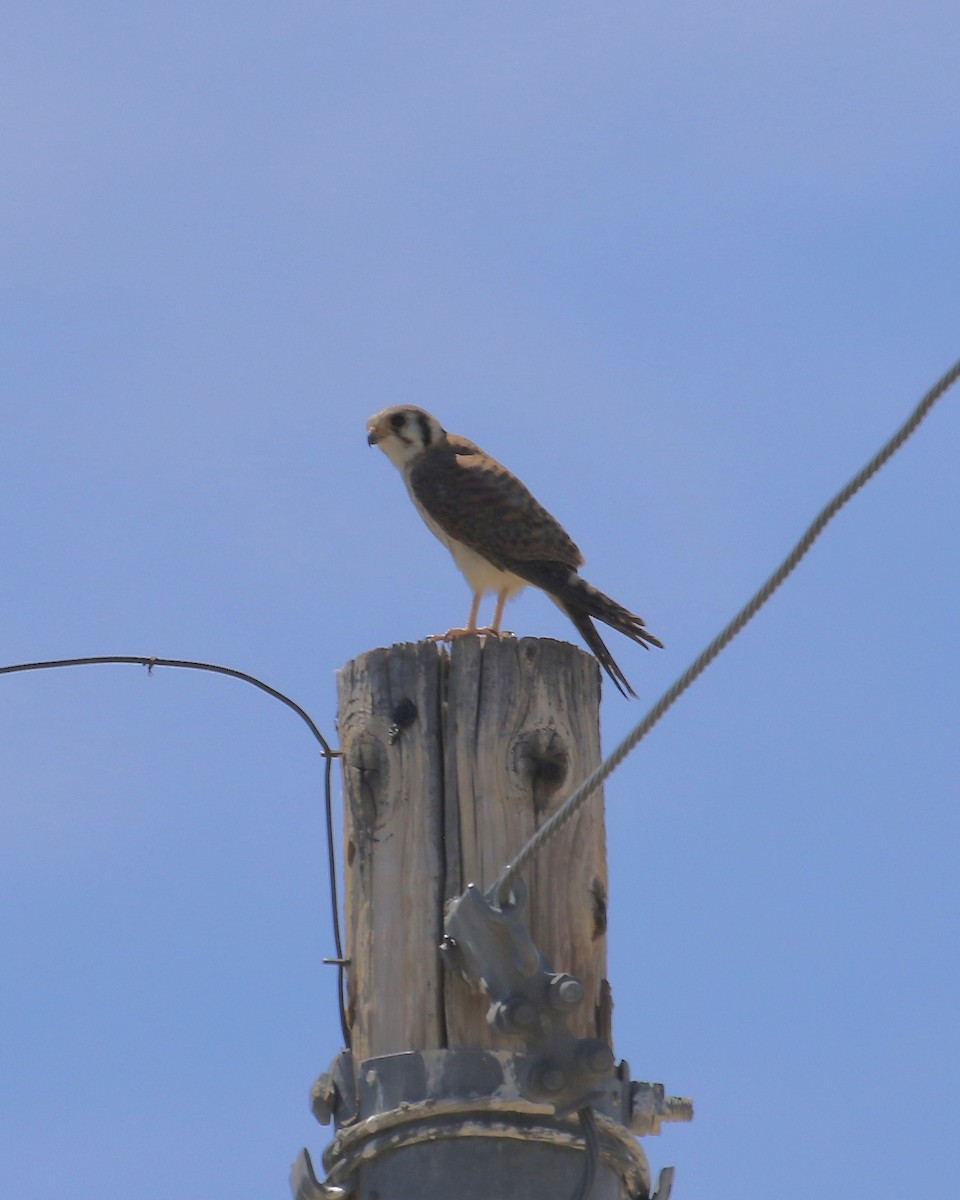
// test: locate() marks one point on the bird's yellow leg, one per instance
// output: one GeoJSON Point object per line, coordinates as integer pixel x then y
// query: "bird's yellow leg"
{"type": "Point", "coordinates": [494, 629]}
{"type": "Point", "coordinates": [469, 629]}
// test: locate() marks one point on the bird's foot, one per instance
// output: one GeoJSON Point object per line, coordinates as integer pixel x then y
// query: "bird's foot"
{"type": "Point", "coordinates": [453, 634]}
{"type": "Point", "coordinates": [489, 631]}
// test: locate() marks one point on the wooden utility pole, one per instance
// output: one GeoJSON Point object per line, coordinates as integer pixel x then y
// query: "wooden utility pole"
{"type": "Point", "coordinates": [451, 761]}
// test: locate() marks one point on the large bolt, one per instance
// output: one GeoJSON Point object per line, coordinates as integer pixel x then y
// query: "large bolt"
{"type": "Point", "coordinates": [678, 1108]}
{"type": "Point", "coordinates": [649, 1106]}
{"type": "Point", "coordinates": [646, 1107]}
{"type": "Point", "coordinates": [549, 1078]}
{"type": "Point", "coordinates": [565, 991]}
{"type": "Point", "coordinates": [514, 1015]}
{"type": "Point", "coordinates": [596, 1056]}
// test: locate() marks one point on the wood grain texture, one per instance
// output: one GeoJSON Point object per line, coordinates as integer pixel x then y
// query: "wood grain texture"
{"type": "Point", "coordinates": [504, 730]}
{"type": "Point", "coordinates": [522, 731]}
{"type": "Point", "coordinates": [393, 832]}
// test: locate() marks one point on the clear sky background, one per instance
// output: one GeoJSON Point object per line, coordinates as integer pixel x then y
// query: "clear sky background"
{"type": "Point", "coordinates": [682, 267]}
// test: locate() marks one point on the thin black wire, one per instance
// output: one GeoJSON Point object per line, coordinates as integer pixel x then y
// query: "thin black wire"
{"type": "Point", "coordinates": [591, 1159]}
{"type": "Point", "coordinates": [501, 888]}
{"type": "Point", "coordinates": [328, 753]}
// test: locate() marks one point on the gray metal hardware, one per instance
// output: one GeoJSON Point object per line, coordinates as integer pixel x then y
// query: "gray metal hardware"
{"type": "Point", "coordinates": [491, 946]}
{"type": "Point", "coordinates": [305, 1185]}
{"type": "Point", "coordinates": [461, 1106]}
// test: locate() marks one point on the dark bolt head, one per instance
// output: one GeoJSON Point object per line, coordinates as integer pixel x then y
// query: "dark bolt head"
{"type": "Point", "coordinates": [552, 1079]}
{"type": "Point", "coordinates": [515, 1015]}
{"type": "Point", "coordinates": [596, 1056]}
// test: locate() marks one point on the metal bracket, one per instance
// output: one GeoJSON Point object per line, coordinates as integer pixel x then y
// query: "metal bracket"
{"type": "Point", "coordinates": [335, 1092]}
{"type": "Point", "coordinates": [664, 1184]}
{"type": "Point", "coordinates": [306, 1186]}
{"type": "Point", "coordinates": [492, 948]}
{"type": "Point", "coordinates": [413, 1097]}
{"type": "Point", "coordinates": [648, 1105]}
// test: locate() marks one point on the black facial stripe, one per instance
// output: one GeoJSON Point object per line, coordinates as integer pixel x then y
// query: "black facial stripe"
{"type": "Point", "coordinates": [426, 433]}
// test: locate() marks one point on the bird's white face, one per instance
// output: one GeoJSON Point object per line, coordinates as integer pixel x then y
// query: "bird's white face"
{"type": "Point", "coordinates": [403, 433]}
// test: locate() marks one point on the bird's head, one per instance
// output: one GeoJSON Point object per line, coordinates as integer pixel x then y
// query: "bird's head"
{"type": "Point", "coordinates": [403, 433]}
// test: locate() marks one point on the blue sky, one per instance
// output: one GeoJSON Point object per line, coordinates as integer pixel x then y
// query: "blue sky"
{"type": "Point", "coordinates": [683, 268]}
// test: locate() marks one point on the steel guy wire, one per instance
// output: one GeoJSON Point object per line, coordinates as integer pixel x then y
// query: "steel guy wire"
{"type": "Point", "coordinates": [572, 805]}
{"type": "Point", "coordinates": [328, 753]}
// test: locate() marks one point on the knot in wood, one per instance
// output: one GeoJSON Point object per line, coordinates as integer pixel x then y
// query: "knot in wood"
{"type": "Point", "coordinates": [366, 757]}
{"type": "Point", "coordinates": [598, 897]}
{"type": "Point", "coordinates": [541, 760]}
{"type": "Point", "coordinates": [404, 716]}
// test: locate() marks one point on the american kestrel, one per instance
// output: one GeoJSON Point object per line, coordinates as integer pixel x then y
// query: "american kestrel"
{"type": "Point", "coordinates": [500, 537]}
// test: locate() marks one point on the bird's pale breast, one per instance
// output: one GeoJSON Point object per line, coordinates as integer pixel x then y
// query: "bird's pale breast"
{"type": "Point", "coordinates": [479, 572]}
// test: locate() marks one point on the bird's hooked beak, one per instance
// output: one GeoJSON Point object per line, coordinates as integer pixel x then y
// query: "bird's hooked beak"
{"type": "Point", "coordinates": [374, 436]}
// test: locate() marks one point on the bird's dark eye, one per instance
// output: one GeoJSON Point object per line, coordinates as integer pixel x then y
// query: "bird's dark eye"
{"type": "Point", "coordinates": [397, 420]}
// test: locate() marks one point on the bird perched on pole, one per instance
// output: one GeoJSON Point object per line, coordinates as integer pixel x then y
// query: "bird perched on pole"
{"type": "Point", "coordinates": [501, 538]}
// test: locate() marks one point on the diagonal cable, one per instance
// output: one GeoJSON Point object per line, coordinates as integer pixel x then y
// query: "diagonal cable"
{"type": "Point", "coordinates": [572, 805]}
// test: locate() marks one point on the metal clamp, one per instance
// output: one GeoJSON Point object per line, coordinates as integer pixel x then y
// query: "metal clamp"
{"type": "Point", "coordinates": [492, 948]}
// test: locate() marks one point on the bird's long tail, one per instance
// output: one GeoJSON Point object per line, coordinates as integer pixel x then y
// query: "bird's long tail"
{"type": "Point", "coordinates": [581, 601]}
{"type": "Point", "coordinates": [588, 631]}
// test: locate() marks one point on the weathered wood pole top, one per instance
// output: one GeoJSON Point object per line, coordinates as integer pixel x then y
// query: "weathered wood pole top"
{"type": "Point", "coordinates": [451, 760]}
